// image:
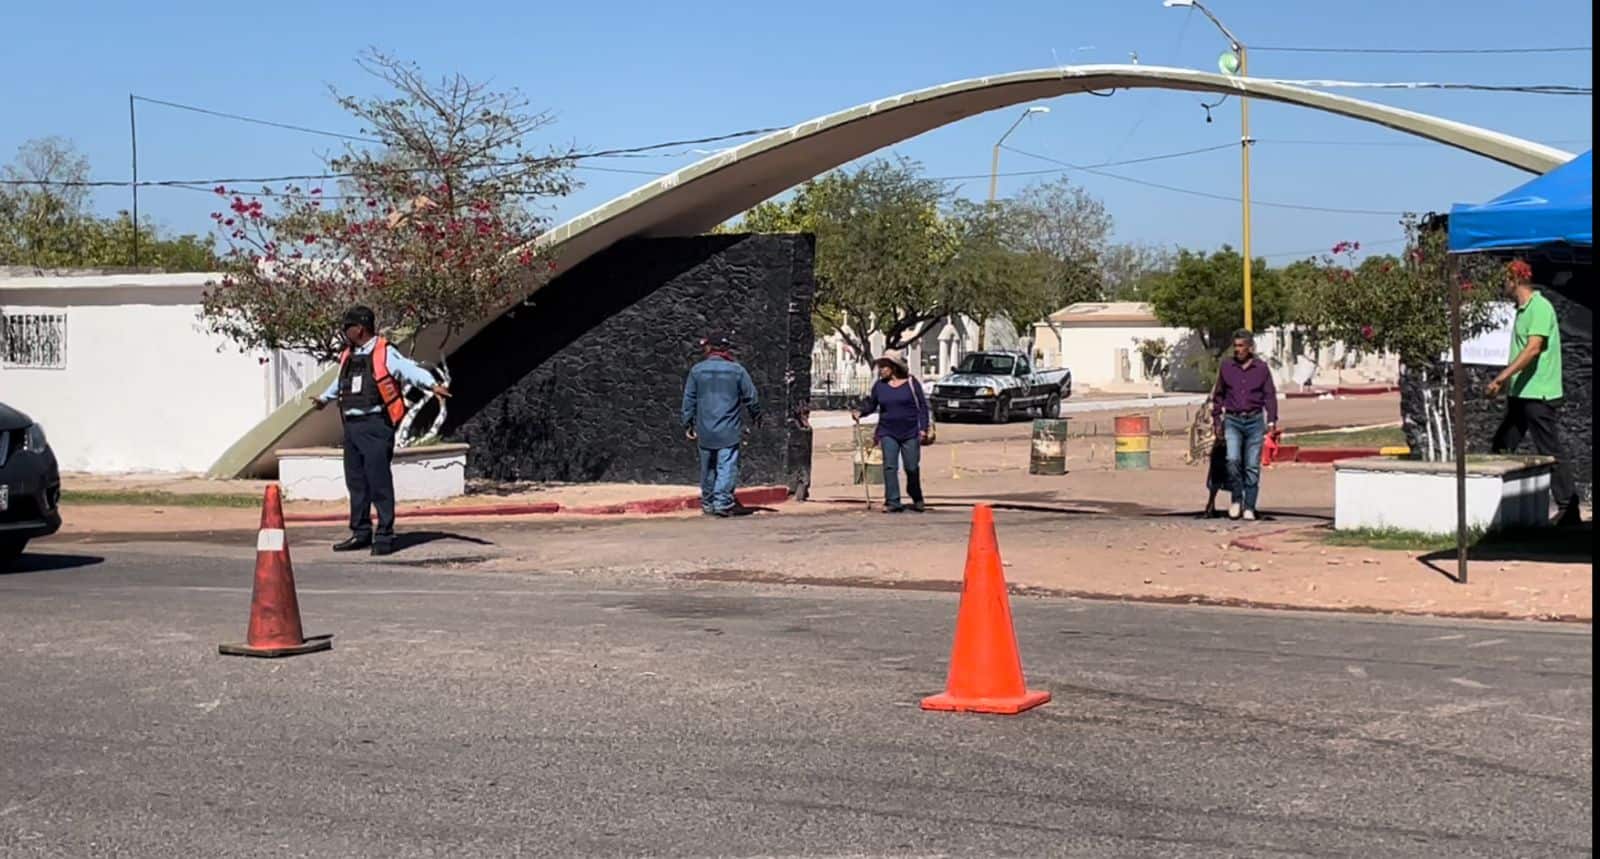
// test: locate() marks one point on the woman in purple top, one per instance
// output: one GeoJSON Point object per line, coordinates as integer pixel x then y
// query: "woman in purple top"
{"type": "Point", "coordinates": [1245, 403]}
{"type": "Point", "coordinates": [903, 421]}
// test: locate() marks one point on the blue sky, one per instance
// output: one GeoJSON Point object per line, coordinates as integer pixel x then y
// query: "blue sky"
{"type": "Point", "coordinates": [629, 73]}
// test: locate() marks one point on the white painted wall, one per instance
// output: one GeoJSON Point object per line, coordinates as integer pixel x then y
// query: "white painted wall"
{"type": "Point", "coordinates": [144, 387]}
{"type": "Point", "coordinates": [1091, 352]}
{"type": "Point", "coordinates": [1424, 500]}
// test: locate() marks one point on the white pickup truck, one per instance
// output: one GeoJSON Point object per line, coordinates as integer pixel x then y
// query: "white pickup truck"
{"type": "Point", "coordinates": [997, 385]}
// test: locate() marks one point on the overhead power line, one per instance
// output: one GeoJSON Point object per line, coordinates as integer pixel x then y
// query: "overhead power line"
{"type": "Point", "coordinates": [314, 177]}
{"type": "Point", "coordinates": [255, 121]}
{"type": "Point", "coordinates": [1207, 194]}
{"type": "Point", "coordinates": [1145, 160]}
{"type": "Point", "coordinates": [1527, 89]}
{"type": "Point", "coordinates": [1308, 49]}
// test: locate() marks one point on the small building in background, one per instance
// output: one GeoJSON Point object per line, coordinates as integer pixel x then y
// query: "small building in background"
{"type": "Point", "coordinates": [123, 375]}
{"type": "Point", "coordinates": [1121, 347]}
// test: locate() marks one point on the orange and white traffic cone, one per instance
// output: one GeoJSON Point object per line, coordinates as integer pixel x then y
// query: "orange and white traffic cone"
{"type": "Point", "coordinates": [274, 609]}
{"type": "Point", "coordinates": [985, 668]}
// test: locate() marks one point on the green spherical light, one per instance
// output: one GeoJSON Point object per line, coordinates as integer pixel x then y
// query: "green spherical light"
{"type": "Point", "coordinates": [1228, 63]}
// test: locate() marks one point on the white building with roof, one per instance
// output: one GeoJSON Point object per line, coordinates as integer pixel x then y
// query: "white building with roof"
{"type": "Point", "coordinates": [124, 376]}
{"type": "Point", "coordinates": [1121, 347]}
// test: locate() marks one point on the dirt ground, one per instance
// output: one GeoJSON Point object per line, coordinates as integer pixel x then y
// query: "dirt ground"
{"type": "Point", "coordinates": [1094, 531]}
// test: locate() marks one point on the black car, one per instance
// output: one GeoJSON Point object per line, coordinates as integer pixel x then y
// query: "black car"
{"type": "Point", "coordinates": [30, 484]}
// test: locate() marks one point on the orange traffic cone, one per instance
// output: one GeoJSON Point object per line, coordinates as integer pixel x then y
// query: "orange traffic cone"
{"type": "Point", "coordinates": [985, 669]}
{"type": "Point", "coordinates": [274, 610]}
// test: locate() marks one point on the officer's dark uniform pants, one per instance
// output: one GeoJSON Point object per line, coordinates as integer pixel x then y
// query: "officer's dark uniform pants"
{"type": "Point", "coordinates": [368, 452]}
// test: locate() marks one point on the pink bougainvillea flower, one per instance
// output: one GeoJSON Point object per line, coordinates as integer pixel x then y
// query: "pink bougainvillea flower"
{"type": "Point", "coordinates": [1367, 332]}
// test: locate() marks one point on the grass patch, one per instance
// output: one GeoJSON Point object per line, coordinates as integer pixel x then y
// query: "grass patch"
{"type": "Point", "coordinates": [1395, 539]}
{"type": "Point", "coordinates": [1381, 437]}
{"type": "Point", "coordinates": [135, 498]}
{"type": "Point", "coordinates": [1556, 544]}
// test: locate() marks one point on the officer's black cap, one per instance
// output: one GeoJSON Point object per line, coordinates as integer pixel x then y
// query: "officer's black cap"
{"type": "Point", "coordinates": [360, 315]}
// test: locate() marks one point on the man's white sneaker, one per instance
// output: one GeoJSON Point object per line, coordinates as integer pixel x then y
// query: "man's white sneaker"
{"type": "Point", "coordinates": [1250, 515]}
{"type": "Point", "coordinates": [1233, 511]}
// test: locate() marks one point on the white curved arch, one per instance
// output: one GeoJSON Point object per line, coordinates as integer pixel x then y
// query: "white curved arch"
{"type": "Point", "coordinates": [700, 196]}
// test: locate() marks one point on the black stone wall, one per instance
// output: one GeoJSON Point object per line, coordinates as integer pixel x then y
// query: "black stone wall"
{"type": "Point", "coordinates": [1572, 300]}
{"type": "Point", "coordinates": [585, 384]}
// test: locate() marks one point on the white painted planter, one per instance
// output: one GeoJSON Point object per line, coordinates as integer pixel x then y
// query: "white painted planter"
{"type": "Point", "coordinates": [1389, 493]}
{"type": "Point", "coordinates": [420, 473]}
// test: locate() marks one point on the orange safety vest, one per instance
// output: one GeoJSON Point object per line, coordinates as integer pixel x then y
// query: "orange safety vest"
{"type": "Point", "coordinates": [394, 404]}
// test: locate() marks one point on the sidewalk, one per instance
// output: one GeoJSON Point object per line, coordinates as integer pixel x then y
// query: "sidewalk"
{"type": "Point", "coordinates": [173, 505]}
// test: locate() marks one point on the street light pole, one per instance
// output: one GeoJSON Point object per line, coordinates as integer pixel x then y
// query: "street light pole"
{"type": "Point", "coordinates": [994, 161]}
{"type": "Point", "coordinates": [1239, 50]}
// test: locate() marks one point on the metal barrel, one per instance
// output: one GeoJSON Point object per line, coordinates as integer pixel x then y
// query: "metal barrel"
{"type": "Point", "coordinates": [1049, 447]}
{"type": "Point", "coordinates": [1132, 436]}
{"type": "Point", "coordinates": [867, 460]}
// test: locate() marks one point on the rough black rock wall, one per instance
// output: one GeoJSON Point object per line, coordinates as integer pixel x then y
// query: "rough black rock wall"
{"type": "Point", "coordinates": [585, 384]}
{"type": "Point", "coordinates": [1572, 302]}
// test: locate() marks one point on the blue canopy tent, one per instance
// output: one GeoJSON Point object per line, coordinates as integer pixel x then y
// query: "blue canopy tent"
{"type": "Point", "coordinates": [1554, 212]}
{"type": "Point", "coordinates": [1554, 209]}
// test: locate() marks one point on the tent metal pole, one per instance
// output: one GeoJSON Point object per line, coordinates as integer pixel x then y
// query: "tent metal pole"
{"type": "Point", "coordinates": [1458, 438]}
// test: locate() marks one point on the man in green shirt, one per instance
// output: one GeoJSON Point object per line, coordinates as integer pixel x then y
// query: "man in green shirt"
{"type": "Point", "coordinates": [1533, 380]}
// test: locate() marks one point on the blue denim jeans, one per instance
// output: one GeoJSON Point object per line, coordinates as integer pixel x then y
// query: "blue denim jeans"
{"type": "Point", "coordinates": [1245, 435]}
{"type": "Point", "coordinates": [719, 473]}
{"type": "Point", "coordinates": [896, 452]}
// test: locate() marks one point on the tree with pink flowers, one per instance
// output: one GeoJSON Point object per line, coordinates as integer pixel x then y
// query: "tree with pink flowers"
{"type": "Point", "coordinates": [429, 219]}
{"type": "Point", "coordinates": [1394, 305]}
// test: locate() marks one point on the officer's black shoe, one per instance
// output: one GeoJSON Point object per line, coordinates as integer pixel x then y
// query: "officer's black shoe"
{"type": "Point", "coordinates": [381, 548]}
{"type": "Point", "coordinates": [354, 544]}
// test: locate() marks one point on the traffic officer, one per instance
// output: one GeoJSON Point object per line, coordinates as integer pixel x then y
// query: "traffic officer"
{"type": "Point", "coordinates": [371, 405]}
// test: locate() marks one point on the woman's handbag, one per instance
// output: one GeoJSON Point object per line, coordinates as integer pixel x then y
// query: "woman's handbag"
{"type": "Point", "coordinates": [922, 397]}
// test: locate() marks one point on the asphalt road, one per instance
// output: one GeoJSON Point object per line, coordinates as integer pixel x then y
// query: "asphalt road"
{"type": "Point", "coordinates": [519, 713]}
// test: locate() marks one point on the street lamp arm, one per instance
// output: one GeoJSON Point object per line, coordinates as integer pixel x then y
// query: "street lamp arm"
{"type": "Point", "coordinates": [1233, 40]}
{"type": "Point", "coordinates": [1013, 127]}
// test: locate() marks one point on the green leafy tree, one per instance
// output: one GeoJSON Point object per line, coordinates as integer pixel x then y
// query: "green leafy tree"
{"type": "Point", "coordinates": [431, 226]}
{"type": "Point", "coordinates": [882, 247]}
{"type": "Point", "coordinates": [1068, 227]}
{"type": "Point", "coordinates": [1396, 305]}
{"type": "Point", "coordinates": [1128, 272]}
{"type": "Point", "coordinates": [46, 222]}
{"type": "Point", "coordinates": [1205, 294]}
{"type": "Point", "coordinates": [994, 273]}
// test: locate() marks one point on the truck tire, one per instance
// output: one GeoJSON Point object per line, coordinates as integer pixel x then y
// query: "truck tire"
{"type": "Point", "coordinates": [1052, 406]}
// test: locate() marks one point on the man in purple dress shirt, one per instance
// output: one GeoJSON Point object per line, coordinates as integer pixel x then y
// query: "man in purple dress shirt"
{"type": "Point", "coordinates": [1245, 403]}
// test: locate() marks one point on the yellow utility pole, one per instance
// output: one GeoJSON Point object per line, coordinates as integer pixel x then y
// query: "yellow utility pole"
{"type": "Point", "coordinates": [1239, 52]}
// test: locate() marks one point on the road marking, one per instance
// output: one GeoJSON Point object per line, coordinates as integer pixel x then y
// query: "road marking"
{"type": "Point", "coordinates": [1556, 719]}
{"type": "Point", "coordinates": [1490, 643]}
{"type": "Point", "coordinates": [1356, 670]}
{"type": "Point", "coordinates": [1470, 684]}
{"type": "Point", "coordinates": [1456, 637]}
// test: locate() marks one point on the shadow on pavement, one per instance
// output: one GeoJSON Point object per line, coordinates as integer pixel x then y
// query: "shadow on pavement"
{"type": "Point", "coordinates": [33, 562]}
{"type": "Point", "coordinates": [412, 539]}
{"type": "Point", "coordinates": [1564, 545]}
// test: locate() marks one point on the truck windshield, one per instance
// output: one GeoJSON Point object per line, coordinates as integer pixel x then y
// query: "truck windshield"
{"type": "Point", "coordinates": [996, 365]}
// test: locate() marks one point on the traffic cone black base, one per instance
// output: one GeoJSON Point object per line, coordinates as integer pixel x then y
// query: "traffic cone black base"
{"type": "Point", "coordinates": [311, 645]}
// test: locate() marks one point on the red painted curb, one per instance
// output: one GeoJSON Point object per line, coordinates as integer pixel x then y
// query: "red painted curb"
{"type": "Point", "coordinates": [425, 512]}
{"type": "Point", "coordinates": [755, 497]}
{"type": "Point", "coordinates": [1342, 392]}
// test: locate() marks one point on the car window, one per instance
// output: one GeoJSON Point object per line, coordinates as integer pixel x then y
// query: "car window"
{"type": "Point", "coordinates": [988, 364]}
